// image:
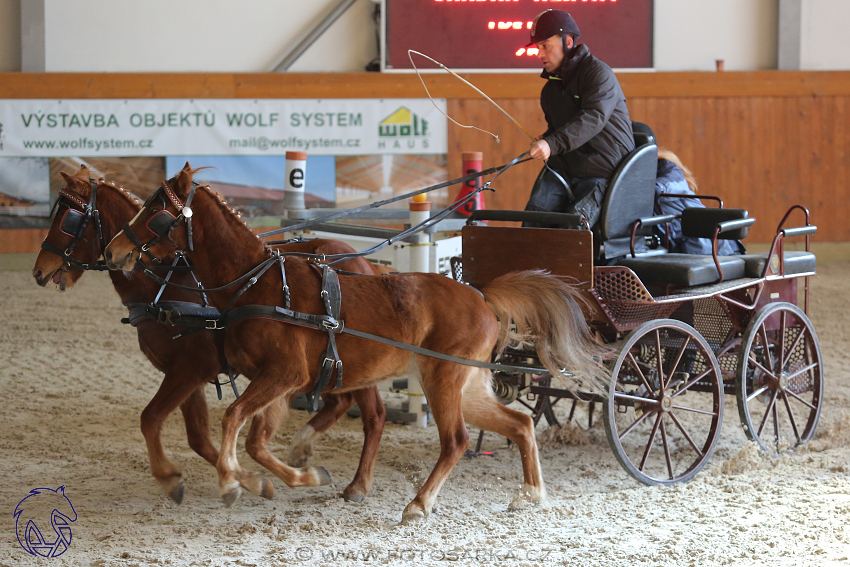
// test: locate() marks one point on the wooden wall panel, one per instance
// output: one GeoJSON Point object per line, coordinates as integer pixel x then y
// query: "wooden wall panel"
{"type": "Point", "coordinates": [761, 140]}
{"type": "Point", "coordinates": [21, 240]}
{"type": "Point", "coordinates": [760, 153]}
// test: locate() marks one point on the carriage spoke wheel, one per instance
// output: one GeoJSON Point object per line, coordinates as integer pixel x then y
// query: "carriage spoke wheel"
{"type": "Point", "coordinates": [665, 403]}
{"type": "Point", "coordinates": [780, 378]}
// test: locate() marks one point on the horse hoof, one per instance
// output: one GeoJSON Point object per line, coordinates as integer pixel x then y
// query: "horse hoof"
{"type": "Point", "coordinates": [258, 485]}
{"type": "Point", "coordinates": [230, 496]}
{"type": "Point", "coordinates": [353, 494]}
{"type": "Point", "coordinates": [519, 503]}
{"type": "Point", "coordinates": [525, 502]}
{"type": "Point", "coordinates": [321, 476]}
{"type": "Point", "coordinates": [267, 489]}
{"type": "Point", "coordinates": [412, 517]}
{"type": "Point", "coordinates": [176, 492]}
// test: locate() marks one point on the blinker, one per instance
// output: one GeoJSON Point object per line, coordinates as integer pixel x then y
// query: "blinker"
{"type": "Point", "coordinates": [72, 223]}
{"type": "Point", "coordinates": [161, 223]}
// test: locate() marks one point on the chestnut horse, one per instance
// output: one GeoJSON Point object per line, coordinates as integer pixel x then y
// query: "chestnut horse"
{"type": "Point", "coordinates": [426, 310]}
{"type": "Point", "coordinates": [197, 358]}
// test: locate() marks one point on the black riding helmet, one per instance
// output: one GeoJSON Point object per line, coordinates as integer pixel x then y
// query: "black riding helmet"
{"type": "Point", "coordinates": [553, 22]}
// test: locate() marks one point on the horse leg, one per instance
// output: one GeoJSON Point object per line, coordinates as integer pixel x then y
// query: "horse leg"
{"type": "Point", "coordinates": [482, 410]}
{"type": "Point", "coordinates": [177, 385]}
{"type": "Point", "coordinates": [301, 448]}
{"type": "Point", "coordinates": [374, 416]}
{"type": "Point", "coordinates": [260, 394]}
{"type": "Point", "coordinates": [443, 385]}
{"type": "Point", "coordinates": [197, 420]}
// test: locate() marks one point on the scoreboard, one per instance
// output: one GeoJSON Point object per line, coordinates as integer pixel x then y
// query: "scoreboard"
{"type": "Point", "coordinates": [492, 34]}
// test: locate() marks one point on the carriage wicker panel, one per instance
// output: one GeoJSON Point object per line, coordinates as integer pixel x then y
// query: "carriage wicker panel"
{"type": "Point", "coordinates": [798, 359]}
{"type": "Point", "coordinates": [712, 321]}
{"type": "Point", "coordinates": [625, 300]}
{"type": "Point", "coordinates": [456, 263]}
{"type": "Point", "coordinates": [708, 317]}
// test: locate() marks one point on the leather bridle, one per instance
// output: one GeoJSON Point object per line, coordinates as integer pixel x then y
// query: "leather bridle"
{"type": "Point", "coordinates": [73, 224]}
{"type": "Point", "coordinates": [163, 222]}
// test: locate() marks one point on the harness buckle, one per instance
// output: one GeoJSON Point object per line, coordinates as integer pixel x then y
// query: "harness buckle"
{"type": "Point", "coordinates": [213, 325]}
{"type": "Point", "coordinates": [331, 324]}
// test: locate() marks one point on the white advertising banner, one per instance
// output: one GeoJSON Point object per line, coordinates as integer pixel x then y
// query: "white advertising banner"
{"type": "Point", "coordinates": [162, 127]}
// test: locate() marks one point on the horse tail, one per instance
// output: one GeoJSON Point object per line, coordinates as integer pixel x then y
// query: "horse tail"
{"type": "Point", "coordinates": [547, 312]}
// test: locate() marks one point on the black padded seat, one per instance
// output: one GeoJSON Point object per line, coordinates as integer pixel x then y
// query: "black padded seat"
{"type": "Point", "coordinates": [796, 262]}
{"type": "Point", "coordinates": [683, 270]}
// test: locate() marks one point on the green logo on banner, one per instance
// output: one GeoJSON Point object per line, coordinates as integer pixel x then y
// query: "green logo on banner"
{"type": "Point", "coordinates": [402, 124]}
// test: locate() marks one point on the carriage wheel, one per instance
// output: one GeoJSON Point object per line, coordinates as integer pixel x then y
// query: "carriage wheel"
{"type": "Point", "coordinates": [665, 403]}
{"type": "Point", "coordinates": [780, 378]}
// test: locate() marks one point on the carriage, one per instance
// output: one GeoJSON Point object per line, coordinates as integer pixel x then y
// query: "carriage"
{"type": "Point", "coordinates": [684, 330]}
{"type": "Point", "coordinates": [675, 332]}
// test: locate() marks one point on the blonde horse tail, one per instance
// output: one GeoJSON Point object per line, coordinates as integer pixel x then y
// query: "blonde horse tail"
{"type": "Point", "coordinates": [547, 312]}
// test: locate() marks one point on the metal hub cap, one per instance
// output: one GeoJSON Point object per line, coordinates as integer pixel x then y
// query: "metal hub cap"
{"type": "Point", "coordinates": [666, 403]}
{"type": "Point", "coordinates": [783, 381]}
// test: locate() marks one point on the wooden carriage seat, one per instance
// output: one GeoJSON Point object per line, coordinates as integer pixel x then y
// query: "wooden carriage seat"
{"type": "Point", "coordinates": [688, 270]}
{"type": "Point", "coordinates": [795, 263]}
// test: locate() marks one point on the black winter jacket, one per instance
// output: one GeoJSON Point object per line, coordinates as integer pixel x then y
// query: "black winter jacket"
{"type": "Point", "coordinates": [589, 127]}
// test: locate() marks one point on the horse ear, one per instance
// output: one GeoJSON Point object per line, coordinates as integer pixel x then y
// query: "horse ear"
{"type": "Point", "coordinates": [76, 183]}
{"type": "Point", "coordinates": [187, 168]}
{"type": "Point", "coordinates": [83, 173]}
{"type": "Point", "coordinates": [184, 181]}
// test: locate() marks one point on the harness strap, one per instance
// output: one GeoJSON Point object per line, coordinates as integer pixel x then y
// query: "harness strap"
{"type": "Point", "coordinates": [252, 280]}
{"type": "Point", "coordinates": [332, 300]}
{"type": "Point", "coordinates": [72, 262]}
{"type": "Point", "coordinates": [177, 314]}
{"type": "Point", "coordinates": [96, 213]}
{"type": "Point", "coordinates": [321, 322]}
{"type": "Point", "coordinates": [442, 356]}
{"type": "Point", "coordinates": [131, 236]}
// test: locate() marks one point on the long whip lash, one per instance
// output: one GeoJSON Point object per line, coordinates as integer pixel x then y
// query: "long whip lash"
{"type": "Point", "coordinates": [410, 53]}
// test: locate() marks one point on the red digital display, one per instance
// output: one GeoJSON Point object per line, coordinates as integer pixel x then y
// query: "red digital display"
{"type": "Point", "coordinates": [492, 34]}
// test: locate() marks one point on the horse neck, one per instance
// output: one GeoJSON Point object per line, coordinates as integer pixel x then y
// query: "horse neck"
{"type": "Point", "coordinates": [224, 247]}
{"type": "Point", "coordinates": [116, 208]}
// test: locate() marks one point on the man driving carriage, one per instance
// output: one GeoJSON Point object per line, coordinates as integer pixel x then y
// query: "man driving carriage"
{"type": "Point", "coordinates": [589, 131]}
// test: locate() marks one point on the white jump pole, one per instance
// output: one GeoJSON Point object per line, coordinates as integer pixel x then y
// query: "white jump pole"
{"type": "Point", "coordinates": [293, 195]}
{"type": "Point", "coordinates": [420, 211]}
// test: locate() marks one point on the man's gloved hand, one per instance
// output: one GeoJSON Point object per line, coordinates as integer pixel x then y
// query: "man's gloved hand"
{"type": "Point", "coordinates": [540, 150]}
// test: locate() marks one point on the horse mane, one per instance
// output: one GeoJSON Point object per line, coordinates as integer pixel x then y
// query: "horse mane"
{"type": "Point", "coordinates": [127, 195]}
{"type": "Point", "coordinates": [664, 153]}
{"type": "Point", "coordinates": [227, 211]}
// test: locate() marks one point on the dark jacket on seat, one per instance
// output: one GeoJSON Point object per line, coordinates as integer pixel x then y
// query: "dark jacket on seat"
{"type": "Point", "coordinates": [589, 127]}
{"type": "Point", "coordinates": [671, 179]}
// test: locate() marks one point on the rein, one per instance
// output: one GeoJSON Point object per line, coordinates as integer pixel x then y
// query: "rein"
{"type": "Point", "coordinates": [338, 258]}
{"type": "Point", "coordinates": [377, 204]}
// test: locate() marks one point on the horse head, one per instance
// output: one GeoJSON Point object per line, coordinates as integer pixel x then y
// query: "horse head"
{"type": "Point", "coordinates": [72, 237]}
{"type": "Point", "coordinates": [152, 232]}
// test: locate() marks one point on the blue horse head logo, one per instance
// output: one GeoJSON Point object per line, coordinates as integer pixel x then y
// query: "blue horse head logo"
{"type": "Point", "coordinates": [39, 507]}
